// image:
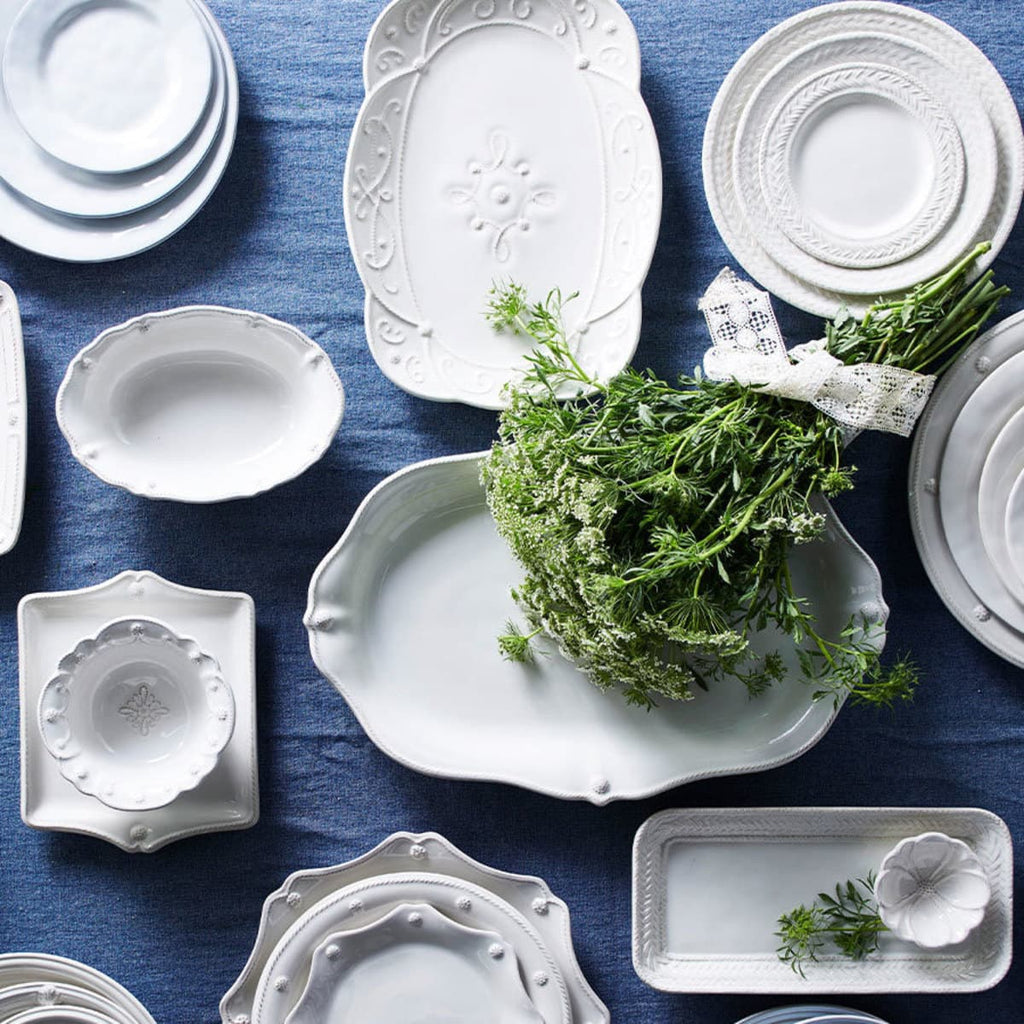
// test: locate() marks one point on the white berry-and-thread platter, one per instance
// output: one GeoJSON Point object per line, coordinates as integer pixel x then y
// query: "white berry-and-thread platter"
{"type": "Point", "coordinates": [13, 413]}
{"type": "Point", "coordinates": [222, 624]}
{"type": "Point", "coordinates": [465, 168]}
{"type": "Point", "coordinates": [200, 404]}
{"type": "Point", "coordinates": [403, 617]}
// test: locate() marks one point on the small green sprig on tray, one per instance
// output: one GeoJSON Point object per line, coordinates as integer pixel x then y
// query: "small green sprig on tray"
{"type": "Point", "coordinates": [848, 920]}
{"type": "Point", "coordinates": [654, 521]}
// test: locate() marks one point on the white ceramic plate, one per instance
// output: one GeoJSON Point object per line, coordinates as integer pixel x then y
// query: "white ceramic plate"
{"type": "Point", "coordinates": [999, 528]}
{"type": "Point", "coordinates": [44, 971]}
{"type": "Point", "coordinates": [804, 1012]}
{"type": "Point", "coordinates": [200, 404]}
{"type": "Point", "coordinates": [94, 240]}
{"type": "Point", "coordinates": [50, 624]}
{"type": "Point", "coordinates": [137, 715]}
{"type": "Point", "coordinates": [550, 178]}
{"type": "Point", "coordinates": [58, 1015]}
{"type": "Point", "coordinates": [360, 903]}
{"type": "Point", "coordinates": [39, 177]}
{"type": "Point", "coordinates": [403, 617]}
{"type": "Point", "coordinates": [414, 965]}
{"type": "Point", "coordinates": [936, 55]}
{"type": "Point", "coordinates": [13, 413]}
{"type": "Point", "coordinates": [1013, 532]}
{"type": "Point", "coordinates": [19, 998]}
{"type": "Point", "coordinates": [407, 852]}
{"type": "Point", "coordinates": [108, 85]}
{"type": "Point", "coordinates": [709, 886]}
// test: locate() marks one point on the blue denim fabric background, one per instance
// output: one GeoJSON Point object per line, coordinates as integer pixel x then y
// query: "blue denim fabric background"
{"type": "Point", "coordinates": [176, 926]}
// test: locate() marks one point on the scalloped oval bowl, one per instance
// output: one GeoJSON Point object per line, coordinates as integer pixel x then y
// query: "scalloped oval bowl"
{"type": "Point", "coordinates": [200, 404]}
{"type": "Point", "coordinates": [136, 715]}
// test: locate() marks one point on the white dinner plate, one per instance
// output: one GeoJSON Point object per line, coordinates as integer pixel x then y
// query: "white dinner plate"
{"type": "Point", "coordinates": [1013, 530]}
{"type": "Point", "coordinates": [1002, 467]}
{"type": "Point", "coordinates": [57, 1014]}
{"type": "Point", "coordinates": [108, 85]}
{"type": "Point", "coordinates": [94, 240]}
{"type": "Point", "coordinates": [938, 57]}
{"type": "Point", "coordinates": [803, 1012]}
{"type": "Point", "coordinates": [29, 996]}
{"type": "Point", "coordinates": [287, 969]}
{"type": "Point", "coordinates": [53, 184]}
{"type": "Point", "coordinates": [13, 413]}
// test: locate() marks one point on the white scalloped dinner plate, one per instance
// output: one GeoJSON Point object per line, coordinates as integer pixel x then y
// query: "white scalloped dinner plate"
{"type": "Point", "coordinates": [403, 617]}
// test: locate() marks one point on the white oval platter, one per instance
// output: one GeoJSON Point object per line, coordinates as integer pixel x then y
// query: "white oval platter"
{"type": "Point", "coordinates": [403, 617]}
{"type": "Point", "coordinates": [13, 412]}
{"type": "Point", "coordinates": [200, 404]}
{"type": "Point", "coordinates": [503, 139]}
{"type": "Point", "coordinates": [428, 853]}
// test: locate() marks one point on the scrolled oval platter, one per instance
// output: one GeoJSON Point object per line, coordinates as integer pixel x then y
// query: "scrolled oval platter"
{"type": "Point", "coordinates": [499, 139]}
{"type": "Point", "coordinates": [200, 404]}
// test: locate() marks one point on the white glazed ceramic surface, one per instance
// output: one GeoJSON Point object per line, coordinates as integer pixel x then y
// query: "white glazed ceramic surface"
{"type": "Point", "coordinates": [403, 617]}
{"type": "Point", "coordinates": [414, 966]}
{"type": "Point", "coordinates": [200, 404]}
{"type": "Point", "coordinates": [71, 980]}
{"type": "Point", "coordinates": [932, 890]}
{"type": "Point", "coordinates": [13, 413]}
{"type": "Point", "coordinates": [942, 60]}
{"type": "Point", "coordinates": [709, 886]}
{"type": "Point", "coordinates": [58, 1015]}
{"type": "Point", "coordinates": [96, 239]}
{"type": "Point", "coordinates": [137, 715]}
{"type": "Point", "coordinates": [1012, 570]}
{"type": "Point", "coordinates": [108, 85]}
{"type": "Point", "coordinates": [406, 852]}
{"type": "Point", "coordinates": [18, 998]}
{"type": "Point", "coordinates": [222, 624]}
{"type": "Point", "coordinates": [559, 185]}
{"type": "Point", "coordinates": [36, 175]}
{"type": "Point", "coordinates": [803, 1012]}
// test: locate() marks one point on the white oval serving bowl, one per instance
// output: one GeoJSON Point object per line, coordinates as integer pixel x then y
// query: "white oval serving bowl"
{"type": "Point", "coordinates": [137, 715]}
{"type": "Point", "coordinates": [200, 404]}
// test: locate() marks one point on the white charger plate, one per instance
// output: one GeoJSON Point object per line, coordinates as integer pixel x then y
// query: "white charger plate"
{"type": "Point", "coordinates": [50, 624]}
{"type": "Point", "coordinates": [32, 172]}
{"type": "Point", "coordinates": [13, 413]}
{"type": "Point", "coordinates": [1003, 465]}
{"type": "Point", "coordinates": [961, 77]}
{"type": "Point", "coordinates": [709, 886]}
{"type": "Point", "coordinates": [108, 85]}
{"type": "Point", "coordinates": [97, 239]}
{"type": "Point", "coordinates": [200, 404]}
{"type": "Point", "coordinates": [409, 852]}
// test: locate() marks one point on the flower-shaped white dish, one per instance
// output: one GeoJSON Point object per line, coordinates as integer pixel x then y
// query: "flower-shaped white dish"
{"type": "Point", "coordinates": [222, 624]}
{"type": "Point", "coordinates": [932, 890]}
{"type": "Point", "coordinates": [414, 965]}
{"type": "Point", "coordinates": [515, 905]}
{"type": "Point", "coordinates": [200, 404]}
{"type": "Point", "coordinates": [137, 715]}
{"type": "Point", "coordinates": [13, 410]}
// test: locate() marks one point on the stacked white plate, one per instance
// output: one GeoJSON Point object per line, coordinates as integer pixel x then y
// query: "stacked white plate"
{"type": "Point", "coordinates": [857, 149]}
{"type": "Point", "coordinates": [967, 489]}
{"type": "Point", "coordinates": [412, 928]}
{"type": "Point", "coordinates": [118, 118]}
{"type": "Point", "coordinates": [809, 1013]}
{"type": "Point", "coordinates": [39, 989]}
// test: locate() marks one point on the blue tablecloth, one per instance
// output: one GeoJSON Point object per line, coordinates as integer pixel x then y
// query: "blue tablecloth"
{"type": "Point", "coordinates": [176, 926]}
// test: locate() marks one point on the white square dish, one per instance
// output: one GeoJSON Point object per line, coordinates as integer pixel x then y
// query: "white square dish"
{"type": "Point", "coordinates": [51, 624]}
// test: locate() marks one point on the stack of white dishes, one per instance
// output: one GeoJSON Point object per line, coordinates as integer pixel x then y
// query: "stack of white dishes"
{"type": "Point", "coordinates": [416, 924]}
{"type": "Point", "coordinates": [118, 119]}
{"type": "Point", "coordinates": [810, 1013]}
{"type": "Point", "coordinates": [39, 989]}
{"type": "Point", "coordinates": [857, 149]}
{"type": "Point", "coordinates": [967, 489]}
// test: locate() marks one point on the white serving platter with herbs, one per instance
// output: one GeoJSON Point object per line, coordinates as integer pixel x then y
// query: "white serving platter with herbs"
{"type": "Point", "coordinates": [709, 886]}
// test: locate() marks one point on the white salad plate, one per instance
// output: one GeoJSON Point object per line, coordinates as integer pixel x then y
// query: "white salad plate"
{"type": "Point", "coordinates": [108, 85]}
{"type": "Point", "coordinates": [998, 496]}
{"type": "Point", "coordinates": [222, 625]}
{"type": "Point", "coordinates": [13, 413]}
{"type": "Point", "coordinates": [414, 965]}
{"type": "Point", "coordinates": [403, 617]}
{"type": "Point", "coordinates": [37, 176]}
{"type": "Point", "coordinates": [70, 981]}
{"type": "Point", "coordinates": [137, 715]}
{"type": "Point", "coordinates": [16, 999]}
{"type": "Point", "coordinates": [98, 238]}
{"type": "Point", "coordinates": [404, 853]}
{"type": "Point", "coordinates": [462, 170]}
{"type": "Point", "coordinates": [942, 62]}
{"type": "Point", "coordinates": [200, 404]}
{"type": "Point", "coordinates": [709, 886]}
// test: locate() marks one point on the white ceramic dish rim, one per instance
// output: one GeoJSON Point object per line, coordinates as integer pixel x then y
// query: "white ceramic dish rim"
{"type": "Point", "coordinates": [93, 353]}
{"type": "Point", "coordinates": [15, 405]}
{"type": "Point", "coordinates": [156, 836]}
{"type": "Point", "coordinates": [793, 1014]}
{"type": "Point", "coordinates": [29, 995]}
{"type": "Point", "coordinates": [58, 1015]}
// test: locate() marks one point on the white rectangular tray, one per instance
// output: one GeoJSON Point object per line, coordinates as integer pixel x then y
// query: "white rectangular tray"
{"type": "Point", "coordinates": [709, 886]}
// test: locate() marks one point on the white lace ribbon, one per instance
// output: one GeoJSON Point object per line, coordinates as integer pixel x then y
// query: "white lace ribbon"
{"type": "Point", "coordinates": [748, 347]}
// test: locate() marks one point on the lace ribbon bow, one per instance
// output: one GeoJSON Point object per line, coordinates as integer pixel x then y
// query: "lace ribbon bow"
{"type": "Point", "coordinates": [748, 347]}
